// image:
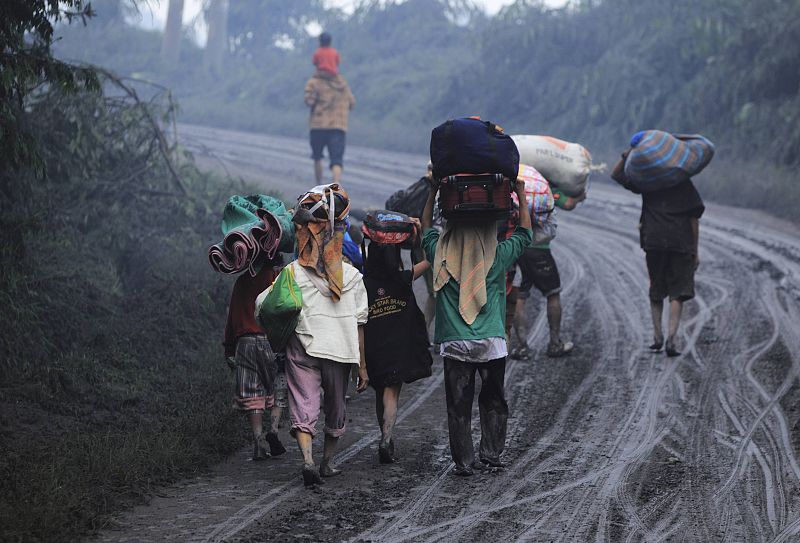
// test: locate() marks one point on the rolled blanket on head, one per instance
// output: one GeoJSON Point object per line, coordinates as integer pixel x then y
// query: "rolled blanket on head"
{"type": "Point", "coordinates": [254, 227]}
{"type": "Point", "coordinates": [236, 253]}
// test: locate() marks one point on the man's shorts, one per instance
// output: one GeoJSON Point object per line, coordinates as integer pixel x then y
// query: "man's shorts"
{"type": "Point", "coordinates": [255, 373]}
{"type": "Point", "coordinates": [538, 270]}
{"type": "Point", "coordinates": [671, 274]}
{"type": "Point", "coordinates": [333, 139]}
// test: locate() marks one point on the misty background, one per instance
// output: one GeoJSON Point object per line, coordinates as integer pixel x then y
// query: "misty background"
{"type": "Point", "coordinates": [591, 71]}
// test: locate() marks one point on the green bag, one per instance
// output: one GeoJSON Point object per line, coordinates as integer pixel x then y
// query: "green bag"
{"type": "Point", "coordinates": [280, 309]}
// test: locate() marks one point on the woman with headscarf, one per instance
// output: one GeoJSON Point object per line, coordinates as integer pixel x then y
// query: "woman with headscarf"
{"type": "Point", "coordinates": [396, 336]}
{"type": "Point", "coordinates": [329, 338]}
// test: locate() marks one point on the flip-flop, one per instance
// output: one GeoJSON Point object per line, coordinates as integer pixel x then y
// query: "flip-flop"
{"type": "Point", "coordinates": [520, 353]}
{"type": "Point", "coordinates": [555, 350]}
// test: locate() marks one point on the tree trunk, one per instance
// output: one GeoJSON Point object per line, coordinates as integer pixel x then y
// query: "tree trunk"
{"type": "Point", "coordinates": [171, 45]}
{"type": "Point", "coordinates": [217, 43]}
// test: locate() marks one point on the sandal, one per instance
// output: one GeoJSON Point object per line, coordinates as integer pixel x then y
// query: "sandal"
{"type": "Point", "coordinates": [555, 350]}
{"type": "Point", "coordinates": [326, 470]}
{"type": "Point", "coordinates": [520, 353]}
{"type": "Point", "coordinates": [493, 463]}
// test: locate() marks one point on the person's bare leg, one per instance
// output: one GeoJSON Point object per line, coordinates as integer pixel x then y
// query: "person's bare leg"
{"type": "Point", "coordinates": [429, 311]}
{"type": "Point", "coordinates": [304, 441]}
{"type": "Point", "coordinates": [310, 472]}
{"type": "Point", "coordinates": [656, 311]}
{"type": "Point", "coordinates": [275, 418]}
{"type": "Point", "coordinates": [325, 468]}
{"type": "Point", "coordinates": [520, 325]}
{"type": "Point", "coordinates": [276, 448]}
{"type": "Point", "coordinates": [675, 310]}
{"type": "Point", "coordinates": [554, 317]}
{"type": "Point", "coordinates": [336, 173]}
{"type": "Point", "coordinates": [557, 346]}
{"type": "Point", "coordinates": [391, 395]}
{"type": "Point", "coordinates": [260, 446]}
{"type": "Point", "coordinates": [318, 171]}
{"type": "Point", "coordinates": [256, 422]}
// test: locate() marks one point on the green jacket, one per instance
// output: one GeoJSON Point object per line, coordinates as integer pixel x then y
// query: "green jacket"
{"type": "Point", "coordinates": [491, 319]}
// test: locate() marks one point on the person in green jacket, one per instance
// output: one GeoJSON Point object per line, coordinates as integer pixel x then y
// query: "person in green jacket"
{"type": "Point", "coordinates": [469, 274]}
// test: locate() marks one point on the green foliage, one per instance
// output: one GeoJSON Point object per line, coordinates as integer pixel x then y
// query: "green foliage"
{"type": "Point", "coordinates": [111, 371]}
{"type": "Point", "coordinates": [596, 71]}
{"type": "Point", "coordinates": [26, 64]}
{"type": "Point", "coordinates": [728, 69]}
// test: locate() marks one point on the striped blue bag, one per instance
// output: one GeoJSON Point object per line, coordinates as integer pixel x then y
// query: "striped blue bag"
{"type": "Point", "coordinates": [659, 160]}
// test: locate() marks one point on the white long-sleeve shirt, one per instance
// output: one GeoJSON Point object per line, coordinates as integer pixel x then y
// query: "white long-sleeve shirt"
{"type": "Point", "coordinates": [325, 328]}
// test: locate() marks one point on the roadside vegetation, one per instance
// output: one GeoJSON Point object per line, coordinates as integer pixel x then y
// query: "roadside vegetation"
{"type": "Point", "coordinates": [111, 372]}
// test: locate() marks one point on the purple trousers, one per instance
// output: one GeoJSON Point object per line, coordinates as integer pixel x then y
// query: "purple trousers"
{"type": "Point", "coordinates": [306, 376]}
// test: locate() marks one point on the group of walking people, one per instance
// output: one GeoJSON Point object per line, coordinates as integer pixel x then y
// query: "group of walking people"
{"type": "Point", "coordinates": [370, 322]}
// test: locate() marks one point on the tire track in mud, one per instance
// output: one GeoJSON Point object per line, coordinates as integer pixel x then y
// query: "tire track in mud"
{"type": "Point", "coordinates": [504, 481]}
{"type": "Point", "coordinates": [515, 395]}
{"type": "Point", "coordinates": [258, 508]}
{"type": "Point", "coordinates": [664, 519]}
{"type": "Point", "coordinates": [760, 428]}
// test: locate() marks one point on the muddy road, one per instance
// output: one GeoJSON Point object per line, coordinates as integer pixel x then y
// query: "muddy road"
{"type": "Point", "coordinates": [610, 444]}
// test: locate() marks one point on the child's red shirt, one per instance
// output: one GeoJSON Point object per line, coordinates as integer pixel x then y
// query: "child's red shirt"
{"type": "Point", "coordinates": [241, 312]}
{"type": "Point", "coordinates": [327, 60]}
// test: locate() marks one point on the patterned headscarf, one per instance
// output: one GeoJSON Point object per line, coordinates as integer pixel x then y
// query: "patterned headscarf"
{"type": "Point", "coordinates": [319, 240]}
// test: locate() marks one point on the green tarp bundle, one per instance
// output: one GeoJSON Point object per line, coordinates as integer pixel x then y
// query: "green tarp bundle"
{"type": "Point", "coordinates": [254, 227]}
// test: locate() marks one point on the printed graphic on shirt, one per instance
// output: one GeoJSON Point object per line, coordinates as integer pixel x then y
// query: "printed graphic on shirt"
{"type": "Point", "coordinates": [386, 305]}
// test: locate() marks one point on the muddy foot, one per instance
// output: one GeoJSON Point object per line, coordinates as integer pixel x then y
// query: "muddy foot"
{"type": "Point", "coordinates": [276, 448]}
{"type": "Point", "coordinates": [260, 449]}
{"type": "Point", "coordinates": [327, 471]}
{"type": "Point", "coordinates": [492, 463]}
{"type": "Point", "coordinates": [311, 475]}
{"type": "Point", "coordinates": [386, 452]}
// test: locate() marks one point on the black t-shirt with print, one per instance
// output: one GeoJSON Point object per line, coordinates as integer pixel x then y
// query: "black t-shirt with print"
{"type": "Point", "coordinates": [666, 218]}
{"type": "Point", "coordinates": [395, 336]}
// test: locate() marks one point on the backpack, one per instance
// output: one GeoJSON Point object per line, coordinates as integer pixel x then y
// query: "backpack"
{"type": "Point", "coordinates": [472, 146]}
{"type": "Point", "coordinates": [410, 201]}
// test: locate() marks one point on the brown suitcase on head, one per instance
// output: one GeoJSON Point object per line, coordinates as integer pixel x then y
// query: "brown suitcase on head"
{"type": "Point", "coordinates": [475, 196]}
